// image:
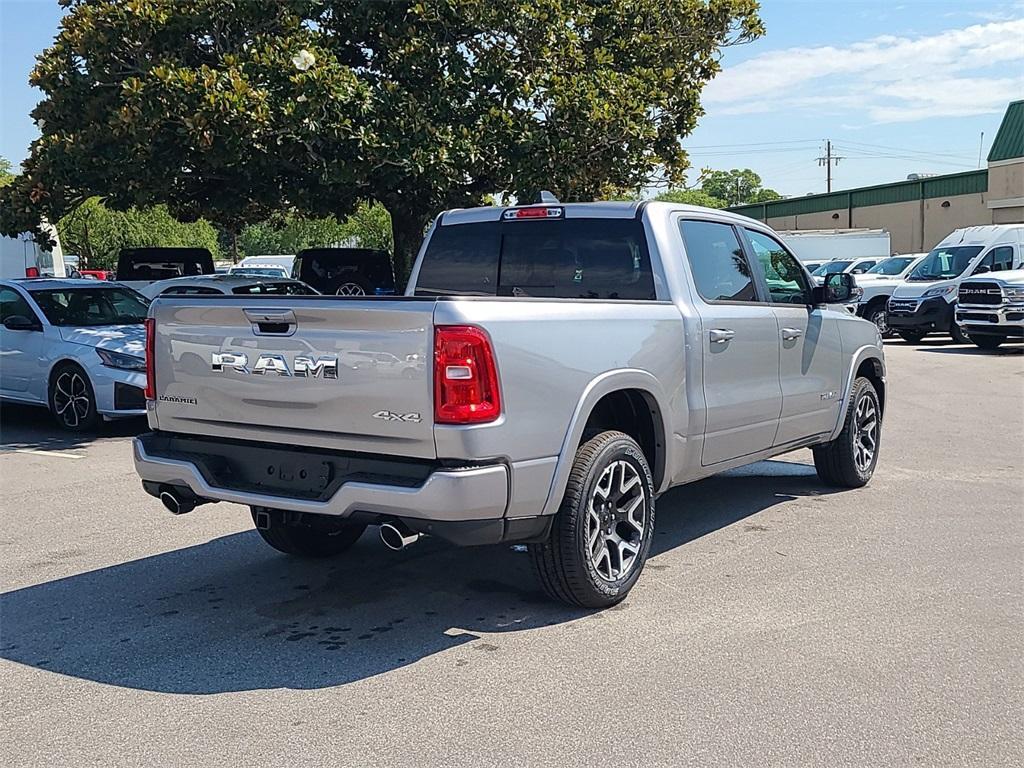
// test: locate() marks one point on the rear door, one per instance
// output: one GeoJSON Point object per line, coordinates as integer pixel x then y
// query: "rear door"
{"type": "Point", "coordinates": [810, 348]}
{"type": "Point", "coordinates": [287, 370]}
{"type": "Point", "coordinates": [740, 343]}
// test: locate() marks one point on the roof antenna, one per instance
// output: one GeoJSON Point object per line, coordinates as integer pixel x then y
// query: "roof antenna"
{"type": "Point", "coordinates": [546, 197]}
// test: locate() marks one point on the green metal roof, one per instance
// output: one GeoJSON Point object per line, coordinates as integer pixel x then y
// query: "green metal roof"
{"type": "Point", "coordinates": [948, 185]}
{"type": "Point", "coordinates": [1009, 141]}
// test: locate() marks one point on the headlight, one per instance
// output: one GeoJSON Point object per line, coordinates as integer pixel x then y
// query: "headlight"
{"type": "Point", "coordinates": [121, 360]}
{"type": "Point", "coordinates": [1016, 295]}
{"type": "Point", "coordinates": [945, 290]}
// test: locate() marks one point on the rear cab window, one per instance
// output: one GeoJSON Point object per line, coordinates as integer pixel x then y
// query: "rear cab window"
{"type": "Point", "coordinates": [564, 258]}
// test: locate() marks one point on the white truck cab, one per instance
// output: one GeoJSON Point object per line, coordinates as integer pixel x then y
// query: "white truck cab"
{"type": "Point", "coordinates": [924, 303]}
{"type": "Point", "coordinates": [878, 283]}
{"type": "Point", "coordinates": [990, 310]}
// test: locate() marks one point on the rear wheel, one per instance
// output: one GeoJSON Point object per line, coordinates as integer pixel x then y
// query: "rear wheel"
{"type": "Point", "coordinates": [880, 317]}
{"type": "Point", "coordinates": [850, 459]}
{"type": "Point", "coordinates": [602, 533]}
{"type": "Point", "coordinates": [320, 536]}
{"type": "Point", "coordinates": [988, 341]}
{"type": "Point", "coordinates": [72, 400]}
{"type": "Point", "coordinates": [912, 337]}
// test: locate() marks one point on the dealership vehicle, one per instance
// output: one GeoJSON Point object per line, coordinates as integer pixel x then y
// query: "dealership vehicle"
{"type": "Point", "coordinates": [21, 256]}
{"type": "Point", "coordinates": [138, 267]}
{"type": "Point", "coordinates": [217, 284]}
{"type": "Point", "coordinates": [821, 245]}
{"type": "Point", "coordinates": [840, 266]}
{"type": "Point", "coordinates": [282, 264]}
{"type": "Point", "coordinates": [96, 274]}
{"type": "Point", "coordinates": [74, 346]}
{"type": "Point", "coordinates": [551, 370]}
{"type": "Point", "coordinates": [924, 302]}
{"type": "Point", "coordinates": [877, 285]}
{"type": "Point", "coordinates": [990, 310]}
{"type": "Point", "coordinates": [268, 271]}
{"type": "Point", "coordinates": [346, 271]}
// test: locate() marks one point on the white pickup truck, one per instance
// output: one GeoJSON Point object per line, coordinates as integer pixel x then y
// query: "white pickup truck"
{"type": "Point", "coordinates": [550, 371]}
{"type": "Point", "coordinates": [990, 308]}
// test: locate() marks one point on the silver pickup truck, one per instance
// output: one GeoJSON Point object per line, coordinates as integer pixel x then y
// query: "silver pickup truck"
{"type": "Point", "coordinates": [550, 370]}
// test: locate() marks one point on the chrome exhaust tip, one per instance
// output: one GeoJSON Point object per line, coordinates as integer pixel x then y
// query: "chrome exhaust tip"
{"type": "Point", "coordinates": [397, 535]}
{"type": "Point", "coordinates": [176, 503]}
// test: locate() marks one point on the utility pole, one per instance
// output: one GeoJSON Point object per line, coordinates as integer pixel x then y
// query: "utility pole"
{"type": "Point", "coordinates": [828, 161]}
{"type": "Point", "coordinates": [981, 144]}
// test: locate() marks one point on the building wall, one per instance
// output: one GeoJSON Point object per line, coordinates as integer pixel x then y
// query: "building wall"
{"type": "Point", "coordinates": [963, 211]}
{"type": "Point", "coordinates": [901, 220]}
{"type": "Point", "coordinates": [1006, 180]}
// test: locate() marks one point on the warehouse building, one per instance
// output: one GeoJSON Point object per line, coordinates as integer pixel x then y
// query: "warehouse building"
{"type": "Point", "coordinates": [918, 214]}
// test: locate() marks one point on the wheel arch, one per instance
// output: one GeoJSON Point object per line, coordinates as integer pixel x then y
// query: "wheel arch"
{"type": "Point", "coordinates": [631, 401]}
{"type": "Point", "coordinates": [868, 362]}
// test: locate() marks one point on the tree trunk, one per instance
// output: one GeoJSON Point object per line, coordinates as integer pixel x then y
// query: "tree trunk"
{"type": "Point", "coordinates": [407, 230]}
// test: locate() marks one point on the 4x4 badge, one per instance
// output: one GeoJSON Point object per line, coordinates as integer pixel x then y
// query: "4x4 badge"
{"type": "Point", "coordinates": [392, 416]}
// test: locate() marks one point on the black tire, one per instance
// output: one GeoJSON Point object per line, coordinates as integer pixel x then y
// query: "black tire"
{"type": "Point", "coordinates": [72, 399]}
{"type": "Point", "coordinates": [988, 341]}
{"type": "Point", "coordinates": [958, 335]}
{"type": "Point", "coordinates": [329, 537]}
{"type": "Point", "coordinates": [565, 564]}
{"type": "Point", "coordinates": [911, 337]}
{"type": "Point", "coordinates": [878, 314]}
{"type": "Point", "coordinates": [840, 462]}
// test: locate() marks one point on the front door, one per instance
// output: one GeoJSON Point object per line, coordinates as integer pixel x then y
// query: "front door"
{"type": "Point", "coordinates": [810, 351]}
{"type": "Point", "coordinates": [740, 344]}
{"type": "Point", "coordinates": [20, 351]}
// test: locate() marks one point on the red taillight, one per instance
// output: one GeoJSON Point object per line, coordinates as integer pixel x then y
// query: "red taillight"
{"type": "Point", "coordinates": [31, 271]}
{"type": "Point", "coordinates": [150, 369]}
{"type": "Point", "coordinates": [465, 376]}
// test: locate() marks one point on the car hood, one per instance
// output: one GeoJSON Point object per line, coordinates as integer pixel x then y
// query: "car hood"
{"type": "Point", "coordinates": [913, 290]}
{"type": "Point", "coordinates": [879, 280]}
{"type": "Point", "coordinates": [129, 339]}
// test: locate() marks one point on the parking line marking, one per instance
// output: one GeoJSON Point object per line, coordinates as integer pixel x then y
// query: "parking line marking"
{"type": "Point", "coordinates": [55, 454]}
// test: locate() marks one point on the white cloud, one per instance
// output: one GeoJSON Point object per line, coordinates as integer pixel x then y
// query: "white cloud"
{"type": "Point", "coordinates": [968, 71]}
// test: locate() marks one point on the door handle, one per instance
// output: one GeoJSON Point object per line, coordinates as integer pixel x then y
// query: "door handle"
{"type": "Point", "coordinates": [721, 335]}
{"type": "Point", "coordinates": [788, 334]}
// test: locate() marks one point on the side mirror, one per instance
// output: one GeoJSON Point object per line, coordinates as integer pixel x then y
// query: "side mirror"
{"type": "Point", "coordinates": [839, 287]}
{"type": "Point", "coordinates": [982, 269]}
{"type": "Point", "coordinates": [20, 323]}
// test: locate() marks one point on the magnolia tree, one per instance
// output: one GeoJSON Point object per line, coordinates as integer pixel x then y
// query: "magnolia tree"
{"type": "Point", "coordinates": [236, 109]}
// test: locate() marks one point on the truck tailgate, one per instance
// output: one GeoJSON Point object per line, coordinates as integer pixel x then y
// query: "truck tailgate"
{"type": "Point", "coordinates": [261, 369]}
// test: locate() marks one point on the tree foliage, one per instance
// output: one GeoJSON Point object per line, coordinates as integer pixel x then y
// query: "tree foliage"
{"type": "Point", "coordinates": [737, 186]}
{"type": "Point", "coordinates": [691, 197]}
{"type": "Point", "coordinates": [6, 177]}
{"type": "Point", "coordinates": [236, 109]}
{"type": "Point", "coordinates": [97, 234]}
{"type": "Point", "coordinates": [368, 227]}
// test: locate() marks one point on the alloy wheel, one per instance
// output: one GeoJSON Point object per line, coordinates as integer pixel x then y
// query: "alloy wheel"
{"type": "Point", "coordinates": [881, 320]}
{"type": "Point", "coordinates": [71, 401]}
{"type": "Point", "coordinates": [616, 521]}
{"type": "Point", "coordinates": [865, 440]}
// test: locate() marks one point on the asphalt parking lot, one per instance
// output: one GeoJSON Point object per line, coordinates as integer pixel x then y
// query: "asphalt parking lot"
{"type": "Point", "coordinates": [777, 622]}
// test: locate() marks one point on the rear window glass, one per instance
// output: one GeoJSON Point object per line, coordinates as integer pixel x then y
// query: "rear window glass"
{"type": "Point", "coordinates": [291, 288]}
{"type": "Point", "coordinates": [567, 259]}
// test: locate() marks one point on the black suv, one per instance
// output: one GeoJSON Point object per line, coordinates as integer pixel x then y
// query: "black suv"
{"type": "Point", "coordinates": [346, 271]}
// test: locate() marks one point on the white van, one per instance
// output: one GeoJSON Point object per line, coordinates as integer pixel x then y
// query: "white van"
{"type": "Point", "coordinates": [266, 266]}
{"type": "Point", "coordinates": [924, 302]}
{"type": "Point", "coordinates": [21, 256]}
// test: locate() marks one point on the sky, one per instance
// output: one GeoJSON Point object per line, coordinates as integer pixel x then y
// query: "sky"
{"type": "Point", "coordinates": [899, 87]}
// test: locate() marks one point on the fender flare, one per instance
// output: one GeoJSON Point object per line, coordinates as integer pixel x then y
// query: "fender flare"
{"type": "Point", "coordinates": [867, 352]}
{"type": "Point", "coordinates": [604, 384]}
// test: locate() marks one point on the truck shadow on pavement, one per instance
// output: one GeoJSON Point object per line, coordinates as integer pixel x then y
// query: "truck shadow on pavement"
{"type": "Point", "coordinates": [28, 427]}
{"type": "Point", "coordinates": [233, 615]}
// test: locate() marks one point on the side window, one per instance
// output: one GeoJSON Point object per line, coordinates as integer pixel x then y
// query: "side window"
{"type": "Point", "coordinates": [1002, 258]}
{"type": "Point", "coordinates": [13, 303]}
{"type": "Point", "coordinates": [194, 290]}
{"type": "Point", "coordinates": [719, 266]}
{"type": "Point", "coordinates": [985, 265]}
{"type": "Point", "coordinates": [787, 283]}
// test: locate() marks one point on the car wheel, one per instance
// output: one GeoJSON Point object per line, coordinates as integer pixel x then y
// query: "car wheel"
{"type": "Point", "coordinates": [602, 532]}
{"type": "Point", "coordinates": [880, 317]}
{"type": "Point", "coordinates": [324, 536]}
{"type": "Point", "coordinates": [72, 400]}
{"type": "Point", "coordinates": [958, 335]}
{"type": "Point", "coordinates": [912, 337]}
{"type": "Point", "coordinates": [849, 460]}
{"type": "Point", "coordinates": [351, 288]}
{"type": "Point", "coordinates": [988, 341]}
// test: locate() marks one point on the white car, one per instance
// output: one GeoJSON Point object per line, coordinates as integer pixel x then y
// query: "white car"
{"type": "Point", "coordinates": [76, 347]}
{"type": "Point", "coordinates": [878, 284]}
{"type": "Point", "coordinates": [269, 270]}
{"type": "Point", "coordinates": [853, 266]}
{"type": "Point", "coordinates": [244, 284]}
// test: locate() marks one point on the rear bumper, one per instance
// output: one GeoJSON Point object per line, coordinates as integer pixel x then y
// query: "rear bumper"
{"type": "Point", "coordinates": [446, 495]}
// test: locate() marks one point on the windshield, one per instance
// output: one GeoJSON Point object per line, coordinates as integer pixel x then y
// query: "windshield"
{"type": "Point", "coordinates": [260, 271]}
{"type": "Point", "coordinates": [832, 266]}
{"type": "Point", "coordinates": [92, 306]}
{"type": "Point", "coordinates": [892, 266]}
{"type": "Point", "coordinates": [944, 263]}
